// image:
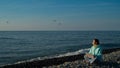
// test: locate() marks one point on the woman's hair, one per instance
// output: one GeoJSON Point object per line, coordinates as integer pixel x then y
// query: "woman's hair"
{"type": "Point", "coordinates": [97, 41]}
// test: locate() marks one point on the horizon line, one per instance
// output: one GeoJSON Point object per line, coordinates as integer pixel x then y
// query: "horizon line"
{"type": "Point", "coordinates": [58, 30]}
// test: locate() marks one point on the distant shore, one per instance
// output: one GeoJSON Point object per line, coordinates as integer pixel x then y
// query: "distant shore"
{"type": "Point", "coordinates": [111, 58]}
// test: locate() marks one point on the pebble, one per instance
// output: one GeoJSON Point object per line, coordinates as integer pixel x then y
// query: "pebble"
{"type": "Point", "coordinates": [111, 60]}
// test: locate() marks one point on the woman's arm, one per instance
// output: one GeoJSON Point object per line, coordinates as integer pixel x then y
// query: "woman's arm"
{"type": "Point", "coordinates": [90, 55]}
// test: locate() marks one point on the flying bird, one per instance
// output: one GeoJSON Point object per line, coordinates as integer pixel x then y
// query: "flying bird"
{"type": "Point", "coordinates": [4, 20]}
{"type": "Point", "coordinates": [7, 22]}
{"type": "Point", "coordinates": [54, 20]}
{"type": "Point", "coordinates": [58, 22]}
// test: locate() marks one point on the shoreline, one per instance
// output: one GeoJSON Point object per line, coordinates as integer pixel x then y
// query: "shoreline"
{"type": "Point", "coordinates": [110, 60]}
{"type": "Point", "coordinates": [53, 61]}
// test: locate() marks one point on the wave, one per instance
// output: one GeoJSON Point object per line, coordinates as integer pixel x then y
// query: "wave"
{"type": "Point", "coordinates": [61, 56]}
{"type": "Point", "coordinates": [7, 38]}
{"type": "Point", "coordinates": [82, 51]}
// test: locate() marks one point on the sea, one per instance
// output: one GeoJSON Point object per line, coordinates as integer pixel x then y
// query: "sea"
{"type": "Point", "coordinates": [26, 46]}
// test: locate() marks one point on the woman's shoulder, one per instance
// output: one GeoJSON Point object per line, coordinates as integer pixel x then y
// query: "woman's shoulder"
{"type": "Point", "coordinates": [99, 47]}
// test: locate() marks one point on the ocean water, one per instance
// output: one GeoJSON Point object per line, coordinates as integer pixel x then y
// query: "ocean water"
{"type": "Point", "coordinates": [18, 46]}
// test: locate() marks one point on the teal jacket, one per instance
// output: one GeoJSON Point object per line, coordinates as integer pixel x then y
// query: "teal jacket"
{"type": "Point", "coordinates": [96, 51]}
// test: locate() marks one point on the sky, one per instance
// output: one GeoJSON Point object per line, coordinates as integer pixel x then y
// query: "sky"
{"type": "Point", "coordinates": [58, 15]}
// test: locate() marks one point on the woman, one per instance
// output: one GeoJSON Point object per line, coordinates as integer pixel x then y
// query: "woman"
{"type": "Point", "coordinates": [95, 53]}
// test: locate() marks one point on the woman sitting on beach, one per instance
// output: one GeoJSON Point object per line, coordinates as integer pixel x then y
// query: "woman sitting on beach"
{"type": "Point", "coordinates": [95, 53]}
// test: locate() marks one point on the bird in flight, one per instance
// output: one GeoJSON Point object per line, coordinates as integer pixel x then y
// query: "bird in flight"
{"type": "Point", "coordinates": [58, 22]}
{"type": "Point", "coordinates": [7, 22]}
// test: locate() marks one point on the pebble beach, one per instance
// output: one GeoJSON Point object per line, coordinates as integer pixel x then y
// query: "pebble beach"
{"type": "Point", "coordinates": [110, 60]}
